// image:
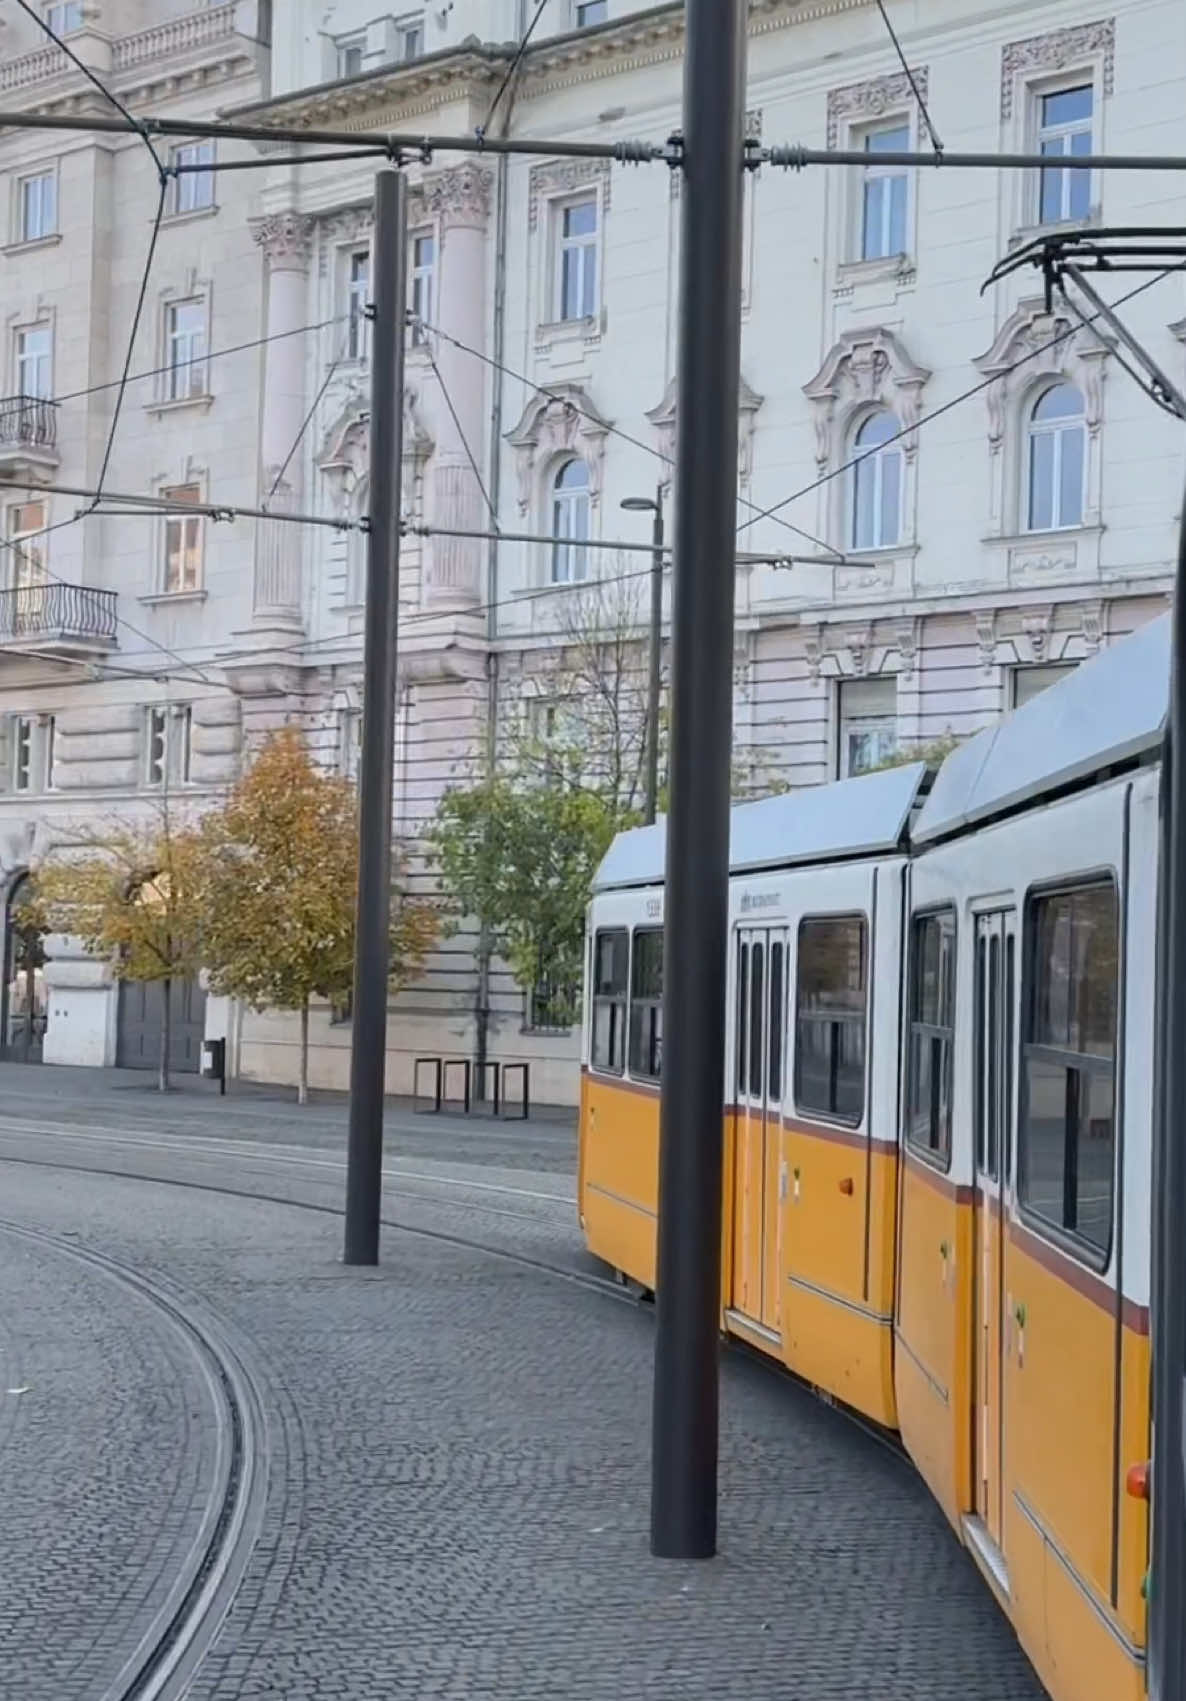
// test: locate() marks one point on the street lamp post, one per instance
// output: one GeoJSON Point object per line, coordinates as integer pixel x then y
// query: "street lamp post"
{"type": "Point", "coordinates": [653, 505]}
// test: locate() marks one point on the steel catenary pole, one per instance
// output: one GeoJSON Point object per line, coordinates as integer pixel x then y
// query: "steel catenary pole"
{"type": "Point", "coordinates": [685, 1412]}
{"type": "Point", "coordinates": [1167, 1576]}
{"type": "Point", "coordinates": [364, 1158]}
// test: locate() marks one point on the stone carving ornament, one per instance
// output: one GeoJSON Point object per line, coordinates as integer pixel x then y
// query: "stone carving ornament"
{"type": "Point", "coordinates": [858, 102]}
{"type": "Point", "coordinates": [286, 239]}
{"type": "Point", "coordinates": [1058, 51]}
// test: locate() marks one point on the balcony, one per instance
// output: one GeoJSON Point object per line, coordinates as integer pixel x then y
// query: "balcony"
{"type": "Point", "coordinates": [28, 436]}
{"type": "Point", "coordinates": [57, 619]}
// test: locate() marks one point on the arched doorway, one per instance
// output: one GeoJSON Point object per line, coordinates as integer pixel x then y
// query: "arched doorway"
{"type": "Point", "coordinates": [23, 1007]}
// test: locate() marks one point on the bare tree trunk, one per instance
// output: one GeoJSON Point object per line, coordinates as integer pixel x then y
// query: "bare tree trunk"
{"type": "Point", "coordinates": [166, 1036]}
{"type": "Point", "coordinates": [303, 1083]}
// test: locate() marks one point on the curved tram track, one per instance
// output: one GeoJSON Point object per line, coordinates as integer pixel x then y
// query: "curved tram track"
{"type": "Point", "coordinates": [161, 1665]}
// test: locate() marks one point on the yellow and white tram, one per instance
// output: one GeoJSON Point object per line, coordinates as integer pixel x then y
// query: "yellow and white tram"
{"type": "Point", "coordinates": [938, 1136]}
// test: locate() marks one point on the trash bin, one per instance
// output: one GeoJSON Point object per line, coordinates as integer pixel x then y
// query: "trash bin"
{"type": "Point", "coordinates": [214, 1062]}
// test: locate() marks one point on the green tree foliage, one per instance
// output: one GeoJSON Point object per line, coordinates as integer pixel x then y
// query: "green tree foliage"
{"type": "Point", "coordinates": [279, 887]}
{"type": "Point", "coordinates": [521, 856]}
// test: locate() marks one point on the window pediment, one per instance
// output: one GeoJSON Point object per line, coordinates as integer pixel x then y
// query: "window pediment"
{"type": "Point", "coordinates": [562, 420]}
{"type": "Point", "coordinates": [864, 368]}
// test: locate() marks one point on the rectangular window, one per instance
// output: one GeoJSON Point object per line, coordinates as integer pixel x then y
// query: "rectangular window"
{"type": "Point", "coordinates": [742, 1021]}
{"type": "Point", "coordinates": [591, 12]}
{"type": "Point", "coordinates": [183, 742]}
{"type": "Point", "coordinates": [932, 1024]}
{"type": "Point", "coordinates": [358, 294]}
{"type": "Point", "coordinates": [576, 254]}
{"type": "Point", "coordinates": [183, 541]}
{"type": "Point", "coordinates": [22, 765]}
{"type": "Point", "coordinates": [885, 193]}
{"type": "Point", "coordinates": [185, 349]}
{"type": "Point", "coordinates": [868, 717]}
{"type": "Point", "coordinates": [34, 361]}
{"type": "Point", "coordinates": [26, 529]}
{"type": "Point", "coordinates": [38, 215]}
{"type": "Point", "coordinates": [194, 188]}
{"type": "Point", "coordinates": [830, 1020]}
{"type": "Point", "coordinates": [410, 38]}
{"type": "Point", "coordinates": [1068, 1130]}
{"type": "Point", "coordinates": [611, 953]}
{"type": "Point", "coordinates": [349, 742]}
{"type": "Point", "coordinates": [156, 746]}
{"type": "Point", "coordinates": [64, 17]}
{"type": "Point", "coordinates": [421, 285]}
{"type": "Point", "coordinates": [1030, 682]}
{"type": "Point", "coordinates": [774, 1027]}
{"type": "Point", "coordinates": [1064, 129]}
{"type": "Point", "coordinates": [646, 1004]}
{"type": "Point", "coordinates": [350, 52]}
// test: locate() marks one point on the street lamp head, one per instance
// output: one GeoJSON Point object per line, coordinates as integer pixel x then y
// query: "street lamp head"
{"type": "Point", "coordinates": [639, 504]}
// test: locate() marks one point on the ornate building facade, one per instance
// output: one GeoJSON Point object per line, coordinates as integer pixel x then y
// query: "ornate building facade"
{"type": "Point", "coordinates": [968, 492]}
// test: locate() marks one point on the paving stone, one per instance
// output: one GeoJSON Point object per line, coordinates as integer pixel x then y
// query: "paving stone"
{"type": "Point", "coordinates": [458, 1470]}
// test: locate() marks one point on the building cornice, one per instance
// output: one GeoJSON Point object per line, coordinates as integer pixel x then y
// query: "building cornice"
{"type": "Point", "coordinates": [199, 50]}
{"type": "Point", "coordinates": [382, 100]}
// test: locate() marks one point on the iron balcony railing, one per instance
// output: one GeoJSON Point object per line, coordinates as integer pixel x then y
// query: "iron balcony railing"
{"type": "Point", "coordinates": [56, 611]}
{"type": "Point", "coordinates": [28, 421]}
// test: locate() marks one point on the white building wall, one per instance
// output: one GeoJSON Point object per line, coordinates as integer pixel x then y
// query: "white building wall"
{"type": "Point", "coordinates": [82, 281]}
{"type": "Point", "coordinates": [943, 617]}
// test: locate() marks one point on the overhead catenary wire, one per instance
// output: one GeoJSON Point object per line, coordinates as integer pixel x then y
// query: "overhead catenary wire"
{"type": "Point", "coordinates": [137, 124]}
{"type": "Point", "coordinates": [604, 425]}
{"type": "Point", "coordinates": [936, 144]}
{"type": "Point", "coordinates": [213, 354]}
{"type": "Point", "coordinates": [946, 407]}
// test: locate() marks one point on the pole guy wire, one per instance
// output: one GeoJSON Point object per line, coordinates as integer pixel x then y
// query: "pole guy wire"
{"type": "Point", "coordinates": [936, 144]}
{"type": "Point", "coordinates": [508, 74]}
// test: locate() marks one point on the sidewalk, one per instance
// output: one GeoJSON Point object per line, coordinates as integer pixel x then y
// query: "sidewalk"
{"type": "Point", "coordinates": [259, 1111]}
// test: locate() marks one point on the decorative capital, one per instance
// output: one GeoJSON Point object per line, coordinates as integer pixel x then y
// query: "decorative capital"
{"type": "Point", "coordinates": [459, 196]}
{"type": "Point", "coordinates": [286, 239]}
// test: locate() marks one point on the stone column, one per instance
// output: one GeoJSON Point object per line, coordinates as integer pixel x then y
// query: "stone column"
{"type": "Point", "coordinates": [458, 201]}
{"type": "Point", "coordinates": [286, 241]}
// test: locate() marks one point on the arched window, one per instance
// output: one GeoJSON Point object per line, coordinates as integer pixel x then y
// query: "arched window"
{"type": "Point", "coordinates": [877, 485]}
{"type": "Point", "coordinates": [1056, 456]}
{"type": "Point", "coordinates": [570, 519]}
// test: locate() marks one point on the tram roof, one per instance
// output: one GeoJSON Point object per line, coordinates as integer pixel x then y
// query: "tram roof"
{"type": "Point", "coordinates": [857, 817]}
{"type": "Point", "coordinates": [1109, 710]}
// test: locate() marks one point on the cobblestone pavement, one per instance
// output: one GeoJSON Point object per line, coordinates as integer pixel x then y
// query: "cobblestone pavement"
{"type": "Point", "coordinates": [128, 1099]}
{"type": "Point", "coordinates": [107, 1463]}
{"type": "Point", "coordinates": [459, 1453]}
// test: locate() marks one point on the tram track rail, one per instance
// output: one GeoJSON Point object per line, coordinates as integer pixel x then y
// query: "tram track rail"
{"type": "Point", "coordinates": [189, 1618]}
{"type": "Point", "coordinates": [628, 1294]}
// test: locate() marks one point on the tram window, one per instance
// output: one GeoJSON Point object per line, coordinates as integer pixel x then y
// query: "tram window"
{"type": "Point", "coordinates": [610, 956]}
{"type": "Point", "coordinates": [830, 1017]}
{"type": "Point", "coordinates": [1068, 1130]}
{"type": "Point", "coordinates": [774, 1078]}
{"type": "Point", "coordinates": [756, 1072]}
{"type": "Point", "coordinates": [743, 1021]}
{"type": "Point", "coordinates": [932, 1010]}
{"type": "Point", "coordinates": [646, 1004]}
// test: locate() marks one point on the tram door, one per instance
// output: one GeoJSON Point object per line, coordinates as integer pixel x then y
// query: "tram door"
{"type": "Point", "coordinates": [757, 1147]}
{"type": "Point", "coordinates": [995, 970]}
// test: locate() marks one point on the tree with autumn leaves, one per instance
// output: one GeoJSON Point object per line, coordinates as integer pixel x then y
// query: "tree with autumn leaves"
{"type": "Point", "coordinates": [280, 871]}
{"type": "Point", "coordinates": [259, 893]}
{"type": "Point", "coordinates": [130, 890]}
